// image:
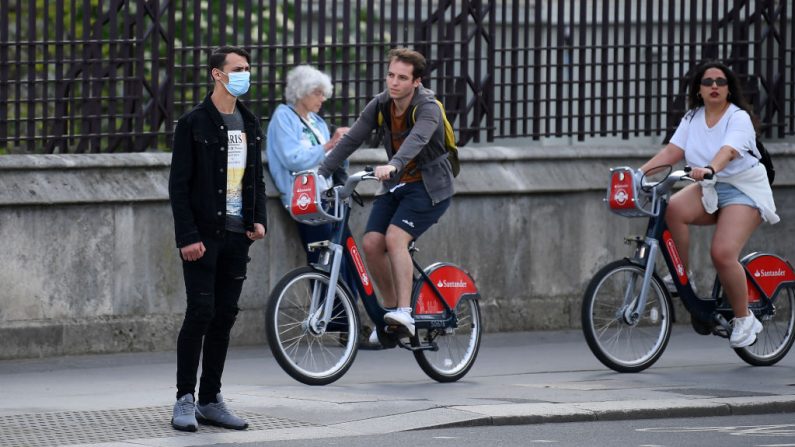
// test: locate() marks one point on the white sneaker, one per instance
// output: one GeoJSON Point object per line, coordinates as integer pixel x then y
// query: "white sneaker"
{"type": "Point", "coordinates": [401, 316]}
{"type": "Point", "coordinates": [744, 331]}
{"type": "Point", "coordinates": [373, 339]}
{"type": "Point", "coordinates": [668, 281]}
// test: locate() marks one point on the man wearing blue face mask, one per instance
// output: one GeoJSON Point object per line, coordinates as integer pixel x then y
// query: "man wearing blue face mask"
{"type": "Point", "coordinates": [217, 193]}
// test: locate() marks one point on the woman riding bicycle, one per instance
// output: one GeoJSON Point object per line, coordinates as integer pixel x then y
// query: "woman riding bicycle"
{"type": "Point", "coordinates": [716, 137]}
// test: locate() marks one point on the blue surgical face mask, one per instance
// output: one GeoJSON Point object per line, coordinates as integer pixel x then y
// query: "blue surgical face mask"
{"type": "Point", "coordinates": [239, 82]}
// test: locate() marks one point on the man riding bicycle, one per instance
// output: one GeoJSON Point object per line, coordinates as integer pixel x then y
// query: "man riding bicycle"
{"type": "Point", "coordinates": [417, 182]}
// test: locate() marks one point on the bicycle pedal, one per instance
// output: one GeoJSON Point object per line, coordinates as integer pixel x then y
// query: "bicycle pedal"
{"type": "Point", "coordinates": [397, 330]}
{"type": "Point", "coordinates": [720, 331]}
{"type": "Point", "coordinates": [701, 327]}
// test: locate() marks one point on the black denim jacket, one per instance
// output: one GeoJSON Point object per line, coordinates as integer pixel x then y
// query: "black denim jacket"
{"type": "Point", "coordinates": [197, 182]}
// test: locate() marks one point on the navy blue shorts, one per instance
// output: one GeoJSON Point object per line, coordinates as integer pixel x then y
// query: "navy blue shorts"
{"type": "Point", "coordinates": [409, 207]}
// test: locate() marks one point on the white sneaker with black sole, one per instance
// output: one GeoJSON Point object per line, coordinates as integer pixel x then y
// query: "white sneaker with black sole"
{"type": "Point", "coordinates": [744, 331]}
{"type": "Point", "coordinates": [402, 317]}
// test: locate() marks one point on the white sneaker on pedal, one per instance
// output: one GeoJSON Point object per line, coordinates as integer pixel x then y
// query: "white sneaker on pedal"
{"type": "Point", "coordinates": [668, 281]}
{"type": "Point", "coordinates": [373, 339]}
{"type": "Point", "coordinates": [744, 331]}
{"type": "Point", "coordinates": [401, 316]}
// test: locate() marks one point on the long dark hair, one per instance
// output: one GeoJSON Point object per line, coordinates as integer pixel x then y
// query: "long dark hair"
{"type": "Point", "coordinates": [736, 95]}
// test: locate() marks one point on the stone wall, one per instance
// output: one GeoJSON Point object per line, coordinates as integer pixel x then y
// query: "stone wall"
{"type": "Point", "coordinates": [89, 263]}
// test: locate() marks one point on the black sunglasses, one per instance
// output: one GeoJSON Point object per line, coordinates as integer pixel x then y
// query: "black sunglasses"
{"type": "Point", "coordinates": [707, 82]}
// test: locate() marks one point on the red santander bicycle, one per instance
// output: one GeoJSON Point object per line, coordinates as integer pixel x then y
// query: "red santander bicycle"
{"type": "Point", "coordinates": [627, 310]}
{"type": "Point", "coordinates": [312, 319]}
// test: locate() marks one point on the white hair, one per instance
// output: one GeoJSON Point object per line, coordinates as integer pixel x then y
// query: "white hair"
{"type": "Point", "coordinates": [303, 80]}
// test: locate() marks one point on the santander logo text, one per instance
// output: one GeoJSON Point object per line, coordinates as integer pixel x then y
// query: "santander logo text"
{"type": "Point", "coordinates": [444, 283]}
{"type": "Point", "coordinates": [766, 273]}
{"type": "Point", "coordinates": [357, 261]}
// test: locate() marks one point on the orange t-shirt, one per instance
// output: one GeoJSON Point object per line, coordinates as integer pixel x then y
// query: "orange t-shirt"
{"type": "Point", "coordinates": [399, 127]}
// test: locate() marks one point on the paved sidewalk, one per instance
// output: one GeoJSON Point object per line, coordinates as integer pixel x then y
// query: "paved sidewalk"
{"type": "Point", "coordinates": [519, 378]}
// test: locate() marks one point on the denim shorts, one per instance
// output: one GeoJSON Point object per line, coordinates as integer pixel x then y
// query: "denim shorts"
{"type": "Point", "coordinates": [729, 195]}
{"type": "Point", "coordinates": [409, 207]}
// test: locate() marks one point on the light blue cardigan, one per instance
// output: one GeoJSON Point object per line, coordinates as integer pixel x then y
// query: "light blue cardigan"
{"type": "Point", "coordinates": [286, 151]}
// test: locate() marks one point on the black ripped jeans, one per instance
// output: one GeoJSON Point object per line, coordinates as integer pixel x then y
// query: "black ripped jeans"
{"type": "Point", "coordinates": [213, 285]}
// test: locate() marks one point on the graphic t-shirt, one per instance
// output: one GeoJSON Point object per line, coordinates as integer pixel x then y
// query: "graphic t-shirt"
{"type": "Point", "coordinates": [235, 167]}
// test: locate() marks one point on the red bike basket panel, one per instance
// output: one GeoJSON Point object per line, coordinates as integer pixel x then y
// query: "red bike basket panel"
{"type": "Point", "coordinates": [306, 204]}
{"type": "Point", "coordinates": [451, 281]}
{"type": "Point", "coordinates": [622, 197]}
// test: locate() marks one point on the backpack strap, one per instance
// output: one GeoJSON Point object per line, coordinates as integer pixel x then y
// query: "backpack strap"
{"type": "Point", "coordinates": [441, 107]}
{"type": "Point", "coordinates": [750, 151]}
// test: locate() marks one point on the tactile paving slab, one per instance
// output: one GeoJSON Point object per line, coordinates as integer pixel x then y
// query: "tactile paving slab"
{"type": "Point", "coordinates": [90, 427]}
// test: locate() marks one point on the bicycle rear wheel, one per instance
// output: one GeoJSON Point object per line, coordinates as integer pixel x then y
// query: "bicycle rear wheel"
{"type": "Point", "coordinates": [619, 345]}
{"type": "Point", "coordinates": [308, 354]}
{"type": "Point", "coordinates": [457, 347]}
{"type": "Point", "coordinates": [777, 335]}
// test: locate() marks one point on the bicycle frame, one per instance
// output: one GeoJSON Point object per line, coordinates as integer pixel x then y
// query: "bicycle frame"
{"type": "Point", "coordinates": [649, 248]}
{"type": "Point", "coordinates": [658, 241]}
{"type": "Point", "coordinates": [433, 307]}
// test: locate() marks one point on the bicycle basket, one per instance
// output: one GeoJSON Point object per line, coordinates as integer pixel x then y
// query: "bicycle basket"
{"type": "Point", "coordinates": [623, 195]}
{"type": "Point", "coordinates": [309, 204]}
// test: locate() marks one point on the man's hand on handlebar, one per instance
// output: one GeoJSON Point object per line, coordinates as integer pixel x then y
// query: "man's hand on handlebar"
{"type": "Point", "coordinates": [384, 172]}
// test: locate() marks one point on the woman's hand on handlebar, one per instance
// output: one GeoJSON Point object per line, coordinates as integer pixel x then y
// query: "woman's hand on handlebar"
{"type": "Point", "coordinates": [384, 172]}
{"type": "Point", "coordinates": [699, 174]}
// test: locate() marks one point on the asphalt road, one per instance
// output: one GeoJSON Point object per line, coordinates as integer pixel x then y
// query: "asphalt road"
{"type": "Point", "coordinates": [773, 430]}
{"type": "Point", "coordinates": [529, 378]}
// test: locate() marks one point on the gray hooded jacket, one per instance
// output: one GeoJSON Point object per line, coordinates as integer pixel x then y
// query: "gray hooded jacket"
{"type": "Point", "coordinates": [424, 143]}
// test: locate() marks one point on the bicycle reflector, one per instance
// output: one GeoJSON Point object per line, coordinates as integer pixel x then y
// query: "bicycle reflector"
{"type": "Point", "coordinates": [622, 193]}
{"type": "Point", "coordinates": [307, 205]}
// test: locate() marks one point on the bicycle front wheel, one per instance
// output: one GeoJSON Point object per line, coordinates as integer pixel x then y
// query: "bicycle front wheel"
{"type": "Point", "coordinates": [311, 352]}
{"type": "Point", "coordinates": [777, 335]}
{"type": "Point", "coordinates": [457, 347]}
{"type": "Point", "coordinates": [617, 343]}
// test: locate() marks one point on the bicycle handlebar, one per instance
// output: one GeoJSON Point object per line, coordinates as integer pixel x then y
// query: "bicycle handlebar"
{"type": "Point", "coordinates": [353, 180]}
{"type": "Point", "coordinates": [665, 186]}
{"type": "Point", "coordinates": [688, 169]}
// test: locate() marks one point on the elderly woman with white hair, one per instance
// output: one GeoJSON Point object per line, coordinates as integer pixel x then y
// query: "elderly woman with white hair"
{"type": "Point", "coordinates": [298, 139]}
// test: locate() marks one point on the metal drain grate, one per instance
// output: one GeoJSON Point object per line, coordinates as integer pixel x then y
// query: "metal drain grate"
{"type": "Point", "coordinates": [89, 427]}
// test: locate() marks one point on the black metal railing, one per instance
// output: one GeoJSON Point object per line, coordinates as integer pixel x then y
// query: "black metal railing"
{"type": "Point", "coordinates": [88, 76]}
{"type": "Point", "coordinates": [620, 68]}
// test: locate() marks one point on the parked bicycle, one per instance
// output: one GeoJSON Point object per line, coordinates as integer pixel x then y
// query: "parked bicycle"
{"type": "Point", "coordinates": [627, 310]}
{"type": "Point", "coordinates": [312, 319]}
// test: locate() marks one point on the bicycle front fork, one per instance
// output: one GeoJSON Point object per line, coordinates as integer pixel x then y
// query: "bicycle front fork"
{"type": "Point", "coordinates": [646, 252]}
{"type": "Point", "coordinates": [330, 261]}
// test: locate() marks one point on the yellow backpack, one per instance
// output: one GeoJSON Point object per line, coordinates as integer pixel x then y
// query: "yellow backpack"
{"type": "Point", "coordinates": [449, 136]}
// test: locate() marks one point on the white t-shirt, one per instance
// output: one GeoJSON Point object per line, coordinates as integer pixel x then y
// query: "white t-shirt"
{"type": "Point", "coordinates": [701, 143]}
